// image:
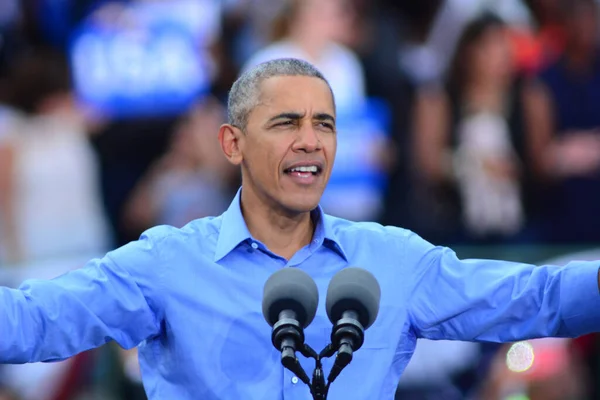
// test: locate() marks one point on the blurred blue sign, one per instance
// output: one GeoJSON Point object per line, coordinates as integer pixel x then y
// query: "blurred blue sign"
{"type": "Point", "coordinates": [148, 58]}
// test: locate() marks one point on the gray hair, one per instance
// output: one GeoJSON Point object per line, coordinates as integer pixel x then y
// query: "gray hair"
{"type": "Point", "coordinates": [245, 92]}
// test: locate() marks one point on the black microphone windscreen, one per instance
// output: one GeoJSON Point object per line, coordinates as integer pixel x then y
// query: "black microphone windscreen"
{"type": "Point", "coordinates": [353, 289]}
{"type": "Point", "coordinates": [290, 289]}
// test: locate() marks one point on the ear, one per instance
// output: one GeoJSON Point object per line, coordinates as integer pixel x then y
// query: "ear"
{"type": "Point", "coordinates": [229, 138]}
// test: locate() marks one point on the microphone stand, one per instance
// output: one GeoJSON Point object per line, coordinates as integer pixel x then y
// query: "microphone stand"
{"type": "Point", "coordinates": [318, 388]}
{"type": "Point", "coordinates": [288, 337]}
{"type": "Point", "coordinates": [347, 336]}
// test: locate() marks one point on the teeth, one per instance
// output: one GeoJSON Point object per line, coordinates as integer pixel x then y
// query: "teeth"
{"type": "Point", "coordinates": [311, 168]}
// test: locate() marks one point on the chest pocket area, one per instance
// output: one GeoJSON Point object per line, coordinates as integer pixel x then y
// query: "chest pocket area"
{"type": "Point", "coordinates": [363, 377]}
{"type": "Point", "coordinates": [391, 324]}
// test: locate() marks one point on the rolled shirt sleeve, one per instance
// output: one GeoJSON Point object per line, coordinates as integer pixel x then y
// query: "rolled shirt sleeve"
{"type": "Point", "coordinates": [113, 298]}
{"type": "Point", "coordinates": [499, 301]}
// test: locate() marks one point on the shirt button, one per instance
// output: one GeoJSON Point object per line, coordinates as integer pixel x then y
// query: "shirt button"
{"type": "Point", "coordinates": [295, 380]}
{"type": "Point", "coordinates": [254, 245]}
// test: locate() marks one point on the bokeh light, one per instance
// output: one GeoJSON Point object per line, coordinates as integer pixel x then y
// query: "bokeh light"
{"type": "Point", "coordinates": [520, 356]}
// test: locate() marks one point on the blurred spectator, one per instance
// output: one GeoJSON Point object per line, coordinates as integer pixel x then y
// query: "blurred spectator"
{"type": "Point", "coordinates": [564, 132]}
{"type": "Point", "coordinates": [313, 30]}
{"type": "Point", "coordinates": [45, 157]}
{"type": "Point", "coordinates": [386, 80]}
{"type": "Point", "coordinates": [147, 92]}
{"type": "Point", "coordinates": [191, 180]}
{"type": "Point", "coordinates": [430, 31]}
{"type": "Point", "coordinates": [467, 141]}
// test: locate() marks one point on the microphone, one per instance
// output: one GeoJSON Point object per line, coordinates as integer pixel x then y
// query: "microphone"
{"type": "Point", "coordinates": [352, 305]}
{"type": "Point", "coordinates": [290, 299]}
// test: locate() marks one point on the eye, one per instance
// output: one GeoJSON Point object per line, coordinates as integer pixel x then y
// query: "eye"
{"type": "Point", "coordinates": [288, 122]}
{"type": "Point", "coordinates": [327, 126]}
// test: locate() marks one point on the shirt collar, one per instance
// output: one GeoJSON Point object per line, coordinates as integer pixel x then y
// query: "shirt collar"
{"type": "Point", "coordinates": [235, 231]}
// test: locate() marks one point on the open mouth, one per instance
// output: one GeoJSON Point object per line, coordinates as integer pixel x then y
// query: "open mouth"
{"type": "Point", "coordinates": [304, 171]}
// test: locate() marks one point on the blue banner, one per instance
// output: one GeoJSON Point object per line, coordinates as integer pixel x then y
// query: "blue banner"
{"type": "Point", "coordinates": [145, 60]}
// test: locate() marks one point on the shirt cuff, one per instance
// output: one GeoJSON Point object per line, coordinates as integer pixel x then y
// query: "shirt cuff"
{"type": "Point", "coordinates": [579, 289]}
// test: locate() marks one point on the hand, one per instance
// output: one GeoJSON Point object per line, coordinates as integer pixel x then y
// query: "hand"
{"type": "Point", "coordinates": [578, 154]}
{"type": "Point", "coordinates": [503, 168]}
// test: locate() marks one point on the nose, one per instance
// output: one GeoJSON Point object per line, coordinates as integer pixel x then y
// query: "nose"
{"type": "Point", "coordinates": [307, 140]}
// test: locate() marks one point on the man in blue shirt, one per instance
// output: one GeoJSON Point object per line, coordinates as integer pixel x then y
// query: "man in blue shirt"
{"type": "Point", "coordinates": [190, 298]}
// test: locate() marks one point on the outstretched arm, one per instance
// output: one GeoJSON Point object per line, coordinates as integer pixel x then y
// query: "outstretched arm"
{"type": "Point", "coordinates": [498, 301]}
{"type": "Point", "coordinates": [113, 298]}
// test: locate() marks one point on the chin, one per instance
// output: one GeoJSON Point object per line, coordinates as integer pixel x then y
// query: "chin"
{"type": "Point", "coordinates": [302, 203]}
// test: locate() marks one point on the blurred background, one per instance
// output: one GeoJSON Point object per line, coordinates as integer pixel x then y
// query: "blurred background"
{"type": "Point", "coordinates": [474, 123]}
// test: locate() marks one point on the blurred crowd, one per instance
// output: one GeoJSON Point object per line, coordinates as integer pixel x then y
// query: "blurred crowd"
{"type": "Point", "coordinates": [470, 122]}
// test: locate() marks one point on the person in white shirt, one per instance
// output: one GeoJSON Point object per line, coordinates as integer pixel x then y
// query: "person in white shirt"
{"type": "Point", "coordinates": [314, 30]}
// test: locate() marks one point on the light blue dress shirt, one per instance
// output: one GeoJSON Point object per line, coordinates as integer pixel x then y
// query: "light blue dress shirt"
{"type": "Point", "coordinates": [191, 299]}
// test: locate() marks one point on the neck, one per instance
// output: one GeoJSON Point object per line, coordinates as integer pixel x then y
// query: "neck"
{"type": "Point", "coordinates": [489, 85]}
{"type": "Point", "coordinates": [487, 95]}
{"type": "Point", "coordinates": [283, 232]}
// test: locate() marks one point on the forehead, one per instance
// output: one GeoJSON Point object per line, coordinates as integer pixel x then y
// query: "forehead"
{"type": "Point", "coordinates": [295, 93]}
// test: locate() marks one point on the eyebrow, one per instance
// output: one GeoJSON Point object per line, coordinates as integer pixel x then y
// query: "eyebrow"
{"type": "Point", "coordinates": [297, 116]}
{"type": "Point", "coordinates": [286, 115]}
{"type": "Point", "coordinates": [324, 117]}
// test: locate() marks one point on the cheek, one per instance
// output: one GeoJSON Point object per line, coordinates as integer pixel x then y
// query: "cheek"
{"type": "Point", "coordinates": [266, 160]}
{"type": "Point", "coordinates": [330, 146]}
